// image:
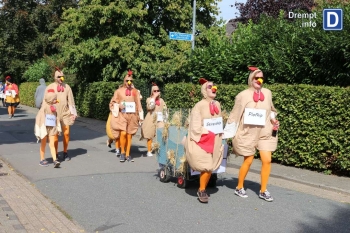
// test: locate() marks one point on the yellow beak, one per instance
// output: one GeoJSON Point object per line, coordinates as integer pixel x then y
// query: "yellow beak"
{"type": "Point", "coordinates": [129, 82]}
{"type": "Point", "coordinates": [261, 80]}
{"type": "Point", "coordinates": [62, 78]}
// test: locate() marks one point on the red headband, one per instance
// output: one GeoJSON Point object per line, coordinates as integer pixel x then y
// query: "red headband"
{"type": "Point", "coordinates": [202, 81]}
{"type": "Point", "coordinates": [252, 68]}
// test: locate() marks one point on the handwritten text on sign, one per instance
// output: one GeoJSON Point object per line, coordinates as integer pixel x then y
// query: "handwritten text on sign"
{"type": "Point", "coordinates": [50, 120]}
{"type": "Point", "coordinates": [253, 116]}
{"type": "Point", "coordinates": [130, 107]}
{"type": "Point", "coordinates": [214, 125]}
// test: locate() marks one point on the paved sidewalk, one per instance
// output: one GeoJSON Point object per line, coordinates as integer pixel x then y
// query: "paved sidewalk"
{"type": "Point", "coordinates": [25, 209]}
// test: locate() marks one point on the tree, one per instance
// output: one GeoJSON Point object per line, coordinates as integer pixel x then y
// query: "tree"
{"type": "Point", "coordinates": [100, 40]}
{"type": "Point", "coordinates": [253, 9]}
{"type": "Point", "coordinates": [24, 30]}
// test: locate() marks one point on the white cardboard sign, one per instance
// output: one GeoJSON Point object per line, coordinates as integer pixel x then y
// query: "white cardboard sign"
{"type": "Point", "coordinates": [50, 120]}
{"type": "Point", "coordinates": [214, 125]}
{"type": "Point", "coordinates": [254, 116]}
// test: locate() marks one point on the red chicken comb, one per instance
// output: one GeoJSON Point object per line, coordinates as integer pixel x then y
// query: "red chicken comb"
{"type": "Point", "coordinates": [58, 69]}
{"type": "Point", "coordinates": [51, 90]}
{"type": "Point", "coordinates": [202, 81]}
{"type": "Point", "coordinates": [252, 68]}
{"type": "Point", "coordinates": [129, 72]}
{"type": "Point", "coordinates": [154, 84]}
{"type": "Point", "coordinates": [8, 77]}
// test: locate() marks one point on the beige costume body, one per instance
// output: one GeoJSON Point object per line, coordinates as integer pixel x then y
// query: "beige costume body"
{"type": "Point", "coordinates": [41, 130]}
{"type": "Point", "coordinates": [128, 122]}
{"type": "Point", "coordinates": [251, 137]}
{"type": "Point", "coordinates": [199, 159]}
{"type": "Point", "coordinates": [149, 126]}
{"type": "Point", "coordinates": [66, 105]}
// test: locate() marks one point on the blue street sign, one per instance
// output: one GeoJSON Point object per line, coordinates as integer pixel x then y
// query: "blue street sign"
{"type": "Point", "coordinates": [180, 36]}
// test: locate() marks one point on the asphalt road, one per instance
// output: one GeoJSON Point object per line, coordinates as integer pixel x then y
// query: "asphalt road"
{"type": "Point", "coordinates": [104, 195]}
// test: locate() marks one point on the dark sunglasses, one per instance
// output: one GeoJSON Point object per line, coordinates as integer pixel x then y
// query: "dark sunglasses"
{"type": "Point", "coordinates": [256, 78]}
{"type": "Point", "coordinates": [129, 80]}
{"type": "Point", "coordinates": [156, 90]}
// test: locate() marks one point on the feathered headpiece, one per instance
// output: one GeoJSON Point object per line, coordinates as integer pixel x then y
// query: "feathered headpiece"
{"type": "Point", "coordinates": [252, 68]}
{"type": "Point", "coordinates": [8, 79]}
{"type": "Point", "coordinates": [202, 81]}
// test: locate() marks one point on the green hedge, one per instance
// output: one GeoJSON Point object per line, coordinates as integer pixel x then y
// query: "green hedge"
{"type": "Point", "coordinates": [315, 121]}
{"type": "Point", "coordinates": [27, 92]}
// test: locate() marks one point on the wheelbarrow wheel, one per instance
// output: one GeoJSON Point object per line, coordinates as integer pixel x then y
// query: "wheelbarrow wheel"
{"type": "Point", "coordinates": [212, 181]}
{"type": "Point", "coordinates": [181, 182]}
{"type": "Point", "coordinates": [164, 175]}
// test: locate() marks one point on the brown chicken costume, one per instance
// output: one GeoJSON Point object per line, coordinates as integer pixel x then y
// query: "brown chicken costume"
{"type": "Point", "coordinates": [154, 118]}
{"type": "Point", "coordinates": [204, 148]}
{"type": "Point", "coordinates": [250, 124]}
{"type": "Point", "coordinates": [48, 126]}
{"type": "Point", "coordinates": [66, 110]}
{"type": "Point", "coordinates": [126, 109]}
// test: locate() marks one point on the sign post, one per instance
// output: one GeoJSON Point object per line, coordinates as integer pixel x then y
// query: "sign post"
{"type": "Point", "coordinates": [186, 36]}
{"type": "Point", "coordinates": [194, 22]}
{"type": "Point", "coordinates": [180, 36]}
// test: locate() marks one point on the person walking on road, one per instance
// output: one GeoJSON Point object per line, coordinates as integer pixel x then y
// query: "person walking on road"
{"type": "Point", "coordinates": [66, 110]}
{"type": "Point", "coordinates": [12, 96]}
{"type": "Point", "coordinates": [154, 117]}
{"type": "Point", "coordinates": [203, 145]}
{"type": "Point", "coordinates": [114, 135]}
{"type": "Point", "coordinates": [47, 126]}
{"type": "Point", "coordinates": [2, 94]}
{"type": "Point", "coordinates": [127, 112]}
{"type": "Point", "coordinates": [253, 125]}
{"type": "Point", "coordinates": [39, 93]}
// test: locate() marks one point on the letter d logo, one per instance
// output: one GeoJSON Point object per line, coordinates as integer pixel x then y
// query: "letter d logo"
{"type": "Point", "coordinates": [332, 19]}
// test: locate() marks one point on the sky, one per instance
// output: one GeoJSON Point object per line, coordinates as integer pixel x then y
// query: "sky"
{"type": "Point", "coordinates": [228, 12]}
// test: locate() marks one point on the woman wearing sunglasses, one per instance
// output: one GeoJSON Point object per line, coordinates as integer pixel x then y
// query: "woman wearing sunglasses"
{"type": "Point", "coordinates": [203, 145]}
{"type": "Point", "coordinates": [155, 117]}
{"type": "Point", "coordinates": [252, 124]}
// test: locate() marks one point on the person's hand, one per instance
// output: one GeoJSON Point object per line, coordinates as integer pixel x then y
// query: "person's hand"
{"type": "Point", "coordinates": [156, 94]}
{"type": "Point", "coordinates": [275, 123]}
{"type": "Point", "coordinates": [121, 106]}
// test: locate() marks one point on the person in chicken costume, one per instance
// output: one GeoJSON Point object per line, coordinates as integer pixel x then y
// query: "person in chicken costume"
{"type": "Point", "coordinates": [48, 126]}
{"type": "Point", "coordinates": [66, 110]}
{"type": "Point", "coordinates": [203, 145]}
{"type": "Point", "coordinates": [127, 112]}
{"type": "Point", "coordinates": [251, 124]}
{"type": "Point", "coordinates": [11, 96]}
{"type": "Point", "coordinates": [154, 117]}
{"type": "Point", "coordinates": [114, 135]}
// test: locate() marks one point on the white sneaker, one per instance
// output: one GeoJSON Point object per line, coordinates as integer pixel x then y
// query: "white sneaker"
{"type": "Point", "coordinates": [117, 153]}
{"type": "Point", "coordinates": [149, 154]}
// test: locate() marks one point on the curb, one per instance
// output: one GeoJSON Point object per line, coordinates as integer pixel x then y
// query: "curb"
{"type": "Point", "coordinates": [328, 188]}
